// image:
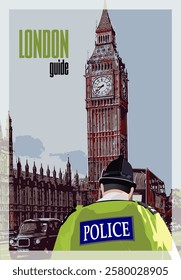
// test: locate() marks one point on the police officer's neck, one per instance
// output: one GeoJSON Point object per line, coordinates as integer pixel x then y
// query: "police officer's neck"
{"type": "Point", "coordinates": [123, 195]}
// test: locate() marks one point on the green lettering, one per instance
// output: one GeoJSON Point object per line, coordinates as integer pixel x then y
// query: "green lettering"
{"type": "Point", "coordinates": [46, 43]}
{"type": "Point", "coordinates": [20, 45]}
{"type": "Point", "coordinates": [37, 35]}
{"type": "Point", "coordinates": [28, 43]}
{"type": "Point", "coordinates": [64, 43]}
{"type": "Point", "coordinates": [55, 43]}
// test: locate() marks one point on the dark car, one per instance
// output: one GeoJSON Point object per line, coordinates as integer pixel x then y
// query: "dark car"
{"type": "Point", "coordinates": [35, 234]}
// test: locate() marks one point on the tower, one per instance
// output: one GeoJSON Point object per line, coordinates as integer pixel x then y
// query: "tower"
{"type": "Point", "coordinates": [106, 102]}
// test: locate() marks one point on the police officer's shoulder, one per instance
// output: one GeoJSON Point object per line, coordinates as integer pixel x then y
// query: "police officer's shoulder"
{"type": "Point", "coordinates": [151, 209]}
{"type": "Point", "coordinates": [77, 208]}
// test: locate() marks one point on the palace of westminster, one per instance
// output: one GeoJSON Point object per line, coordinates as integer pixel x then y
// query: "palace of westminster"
{"type": "Point", "coordinates": [26, 194]}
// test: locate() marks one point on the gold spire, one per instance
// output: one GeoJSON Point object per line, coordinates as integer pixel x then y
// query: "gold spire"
{"type": "Point", "coordinates": [105, 5]}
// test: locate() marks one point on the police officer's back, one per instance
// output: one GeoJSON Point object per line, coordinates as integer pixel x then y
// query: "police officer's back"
{"type": "Point", "coordinates": [114, 222]}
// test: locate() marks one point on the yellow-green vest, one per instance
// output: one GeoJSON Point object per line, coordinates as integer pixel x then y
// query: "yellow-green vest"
{"type": "Point", "coordinates": [149, 231]}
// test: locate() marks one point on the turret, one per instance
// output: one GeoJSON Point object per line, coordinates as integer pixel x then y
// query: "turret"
{"type": "Point", "coordinates": [54, 174]}
{"type": "Point", "coordinates": [34, 171]}
{"type": "Point", "coordinates": [60, 175]}
{"type": "Point", "coordinates": [9, 138]}
{"type": "Point", "coordinates": [18, 168]}
{"type": "Point", "coordinates": [68, 173]}
{"type": "Point", "coordinates": [27, 169]}
{"type": "Point", "coordinates": [48, 171]}
{"type": "Point", "coordinates": [76, 179]}
{"type": "Point", "coordinates": [41, 172]}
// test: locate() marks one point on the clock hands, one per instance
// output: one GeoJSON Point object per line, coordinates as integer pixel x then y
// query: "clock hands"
{"type": "Point", "coordinates": [98, 88]}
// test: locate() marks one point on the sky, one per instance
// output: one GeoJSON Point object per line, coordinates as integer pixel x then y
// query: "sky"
{"type": "Point", "coordinates": [49, 115]}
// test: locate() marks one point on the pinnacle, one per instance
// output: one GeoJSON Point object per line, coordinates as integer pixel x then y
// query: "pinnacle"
{"type": "Point", "coordinates": [105, 23]}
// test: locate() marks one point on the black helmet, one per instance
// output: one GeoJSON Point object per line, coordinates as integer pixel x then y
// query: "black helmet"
{"type": "Point", "coordinates": [118, 175]}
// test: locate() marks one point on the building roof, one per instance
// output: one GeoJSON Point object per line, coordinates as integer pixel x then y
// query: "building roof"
{"type": "Point", "coordinates": [105, 23]}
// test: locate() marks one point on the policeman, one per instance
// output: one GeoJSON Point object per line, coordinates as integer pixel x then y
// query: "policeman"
{"type": "Point", "coordinates": [114, 222]}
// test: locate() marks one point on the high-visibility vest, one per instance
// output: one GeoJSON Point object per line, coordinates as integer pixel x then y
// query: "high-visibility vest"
{"type": "Point", "coordinates": [114, 225]}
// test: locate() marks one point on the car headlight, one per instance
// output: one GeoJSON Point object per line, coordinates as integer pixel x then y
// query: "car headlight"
{"type": "Point", "coordinates": [37, 241]}
{"type": "Point", "coordinates": [11, 242]}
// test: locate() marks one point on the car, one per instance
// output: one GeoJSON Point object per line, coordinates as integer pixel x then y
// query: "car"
{"type": "Point", "coordinates": [35, 234]}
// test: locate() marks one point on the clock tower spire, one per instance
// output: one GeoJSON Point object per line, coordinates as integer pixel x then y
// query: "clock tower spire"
{"type": "Point", "coordinates": [106, 102]}
{"type": "Point", "coordinates": [105, 32]}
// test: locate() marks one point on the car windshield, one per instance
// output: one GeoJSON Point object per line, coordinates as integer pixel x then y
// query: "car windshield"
{"type": "Point", "coordinates": [33, 227]}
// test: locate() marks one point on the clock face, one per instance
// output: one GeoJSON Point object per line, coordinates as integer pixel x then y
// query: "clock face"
{"type": "Point", "coordinates": [102, 86]}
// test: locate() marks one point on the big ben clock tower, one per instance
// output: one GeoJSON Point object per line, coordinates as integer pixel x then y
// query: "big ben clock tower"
{"type": "Point", "coordinates": [106, 102]}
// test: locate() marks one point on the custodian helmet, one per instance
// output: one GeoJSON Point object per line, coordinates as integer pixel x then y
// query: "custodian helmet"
{"type": "Point", "coordinates": [118, 175]}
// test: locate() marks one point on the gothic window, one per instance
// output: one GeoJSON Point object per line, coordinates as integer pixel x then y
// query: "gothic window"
{"type": "Point", "coordinates": [34, 196]}
{"type": "Point", "coordinates": [18, 194]}
{"type": "Point", "coordinates": [93, 121]}
{"type": "Point", "coordinates": [42, 197]}
{"type": "Point", "coordinates": [53, 197]}
{"type": "Point", "coordinates": [94, 146]}
{"type": "Point", "coordinates": [39, 196]}
{"type": "Point", "coordinates": [98, 172]}
{"type": "Point", "coordinates": [103, 117]}
{"type": "Point", "coordinates": [70, 200]}
{"type": "Point", "coordinates": [123, 121]}
{"type": "Point", "coordinates": [106, 128]}
{"type": "Point", "coordinates": [104, 149]}
{"type": "Point", "coordinates": [99, 124]}
{"type": "Point", "coordinates": [46, 197]}
{"type": "Point", "coordinates": [30, 197]}
{"type": "Point", "coordinates": [23, 195]}
{"type": "Point", "coordinates": [49, 196]}
{"type": "Point", "coordinates": [115, 121]}
{"type": "Point", "coordinates": [114, 146]}
{"type": "Point", "coordinates": [60, 198]}
{"type": "Point", "coordinates": [37, 192]}
{"type": "Point", "coordinates": [65, 199]}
